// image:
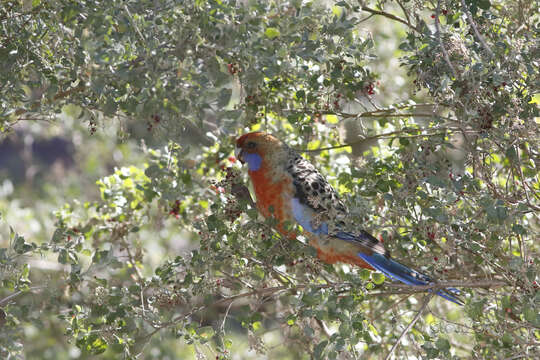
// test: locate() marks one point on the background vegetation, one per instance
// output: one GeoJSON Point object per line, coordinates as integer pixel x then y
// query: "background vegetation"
{"type": "Point", "coordinates": [126, 230]}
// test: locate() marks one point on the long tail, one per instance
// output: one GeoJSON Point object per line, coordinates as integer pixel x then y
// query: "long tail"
{"type": "Point", "coordinates": [397, 271]}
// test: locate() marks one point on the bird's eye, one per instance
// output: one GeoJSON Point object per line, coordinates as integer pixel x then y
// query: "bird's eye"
{"type": "Point", "coordinates": [251, 145]}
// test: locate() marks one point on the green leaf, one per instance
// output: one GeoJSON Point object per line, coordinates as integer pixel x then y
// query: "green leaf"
{"type": "Point", "coordinates": [206, 332]}
{"type": "Point", "coordinates": [507, 339]}
{"type": "Point", "coordinates": [153, 171]}
{"type": "Point", "coordinates": [483, 4]}
{"type": "Point", "coordinates": [63, 256]}
{"type": "Point", "coordinates": [18, 244]}
{"type": "Point", "coordinates": [511, 153]}
{"type": "Point", "coordinates": [345, 329]}
{"type": "Point", "coordinates": [365, 274]}
{"type": "Point", "coordinates": [404, 141]}
{"type": "Point", "coordinates": [319, 349]}
{"type": "Point", "coordinates": [291, 319]}
{"type": "Point", "coordinates": [518, 229]}
{"type": "Point", "coordinates": [531, 315]}
{"type": "Point", "coordinates": [224, 97]}
{"type": "Point", "coordinates": [442, 344]}
{"type": "Point", "coordinates": [3, 255]}
{"type": "Point", "coordinates": [431, 351]}
{"type": "Point", "coordinates": [213, 222]}
{"type": "Point", "coordinates": [100, 257]}
{"type": "Point", "coordinates": [272, 32]}
{"type": "Point", "coordinates": [378, 278]}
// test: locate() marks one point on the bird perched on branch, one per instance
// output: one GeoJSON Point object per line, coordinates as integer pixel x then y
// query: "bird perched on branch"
{"type": "Point", "coordinates": [290, 189]}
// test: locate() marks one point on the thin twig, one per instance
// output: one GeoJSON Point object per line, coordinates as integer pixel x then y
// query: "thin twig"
{"type": "Point", "coordinates": [390, 16]}
{"type": "Point", "coordinates": [404, 12]}
{"type": "Point", "coordinates": [475, 29]}
{"type": "Point", "coordinates": [225, 317]}
{"type": "Point", "coordinates": [438, 35]}
{"type": "Point", "coordinates": [375, 137]}
{"type": "Point", "coordinates": [424, 305]}
{"type": "Point", "coordinates": [447, 284]}
{"type": "Point", "coordinates": [391, 306]}
{"type": "Point", "coordinates": [132, 20]}
{"type": "Point", "coordinates": [14, 295]}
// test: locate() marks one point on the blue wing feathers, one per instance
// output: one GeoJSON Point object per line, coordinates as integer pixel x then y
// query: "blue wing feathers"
{"type": "Point", "coordinates": [397, 271]}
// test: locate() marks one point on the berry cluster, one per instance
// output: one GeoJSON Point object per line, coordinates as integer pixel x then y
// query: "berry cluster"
{"type": "Point", "coordinates": [155, 120]}
{"type": "Point", "coordinates": [486, 118]}
{"type": "Point", "coordinates": [444, 12]}
{"type": "Point", "coordinates": [226, 186]}
{"type": "Point", "coordinates": [175, 209]}
{"type": "Point", "coordinates": [167, 299]}
{"type": "Point", "coordinates": [232, 177]}
{"type": "Point", "coordinates": [369, 89]}
{"type": "Point", "coordinates": [233, 68]}
{"type": "Point", "coordinates": [93, 127]}
{"type": "Point", "coordinates": [336, 101]}
{"type": "Point", "coordinates": [232, 209]}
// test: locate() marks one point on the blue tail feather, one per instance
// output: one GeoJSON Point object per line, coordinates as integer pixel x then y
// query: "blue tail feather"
{"type": "Point", "coordinates": [397, 271]}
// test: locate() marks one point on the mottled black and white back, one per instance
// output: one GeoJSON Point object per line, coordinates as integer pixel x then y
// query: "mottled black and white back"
{"type": "Point", "coordinates": [314, 192]}
{"type": "Point", "coordinates": [311, 187]}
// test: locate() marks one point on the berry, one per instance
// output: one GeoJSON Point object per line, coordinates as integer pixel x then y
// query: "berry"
{"type": "Point", "coordinates": [370, 89]}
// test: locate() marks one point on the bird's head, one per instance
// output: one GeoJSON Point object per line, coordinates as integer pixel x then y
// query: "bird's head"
{"type": "Point", "coordinates": [254, 147]}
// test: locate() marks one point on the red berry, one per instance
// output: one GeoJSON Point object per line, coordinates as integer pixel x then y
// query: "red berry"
{"type": "Point", "coordinates": [433, 16]}
{"type": "Point", "coordinates": [436, 258]}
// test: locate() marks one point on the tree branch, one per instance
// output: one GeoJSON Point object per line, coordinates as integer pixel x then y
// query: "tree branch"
{"type": "Point", "coordinates": [390, 16]}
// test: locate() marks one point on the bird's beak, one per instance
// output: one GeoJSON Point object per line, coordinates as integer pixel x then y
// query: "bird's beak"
{"type": "Point", "coordinates": [238, 153]}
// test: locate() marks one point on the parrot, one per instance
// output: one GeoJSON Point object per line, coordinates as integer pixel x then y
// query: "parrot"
{"type": "Point", "coordinates": [291, 190]}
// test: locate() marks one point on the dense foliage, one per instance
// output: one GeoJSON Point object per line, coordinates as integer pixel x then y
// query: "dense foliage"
{"type": "Point", "coordinates": [166, 256]}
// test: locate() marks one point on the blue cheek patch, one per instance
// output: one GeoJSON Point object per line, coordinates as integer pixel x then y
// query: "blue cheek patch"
{"type": "Point", "coordinates": [254, 161]}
